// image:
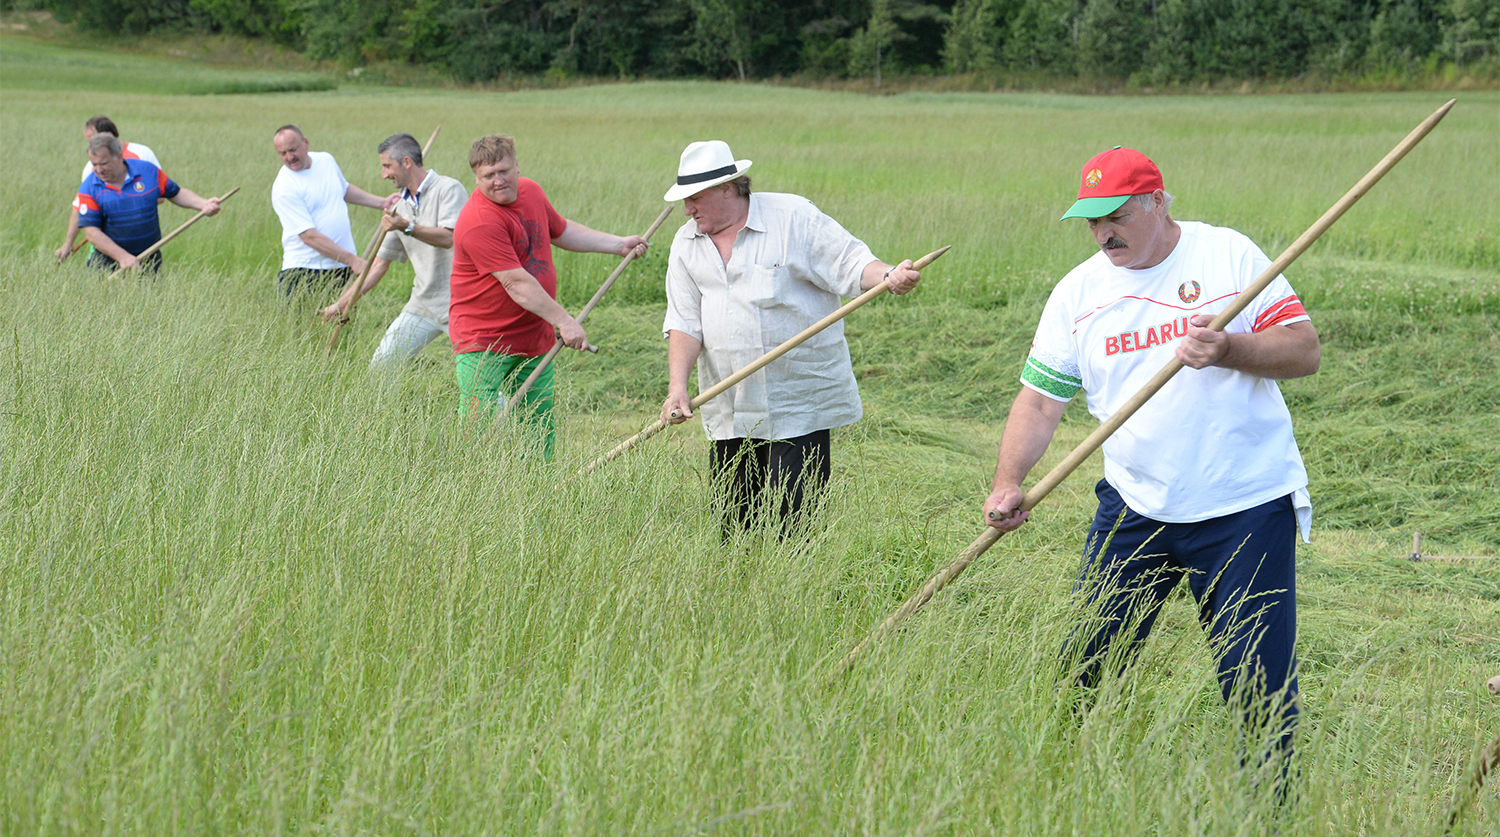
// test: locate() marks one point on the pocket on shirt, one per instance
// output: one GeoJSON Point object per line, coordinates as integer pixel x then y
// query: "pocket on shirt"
{"type": "Point", "coordinates": [768, 286]}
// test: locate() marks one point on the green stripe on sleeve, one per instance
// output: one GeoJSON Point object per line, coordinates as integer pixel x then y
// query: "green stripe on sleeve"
{"type": "Point", "coordinates": [1049, 380]}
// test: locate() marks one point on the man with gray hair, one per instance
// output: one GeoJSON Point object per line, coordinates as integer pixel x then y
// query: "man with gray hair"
{"type": "Point", "coordinates": [318, 249]}
{"type": "Point", "coordinates": [117, 205]}
{"type": "Point", "coordinates": [747, 272]}
{"type": "Point", "coordinates": [1205, 481]}
{"type": "Point", "coordinates": [99, 124]}
{"type": "Point", "coordinates": [419, 229]}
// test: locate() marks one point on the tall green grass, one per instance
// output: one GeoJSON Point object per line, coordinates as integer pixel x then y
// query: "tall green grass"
{"type": "Point", "coordinates": [245, 589]}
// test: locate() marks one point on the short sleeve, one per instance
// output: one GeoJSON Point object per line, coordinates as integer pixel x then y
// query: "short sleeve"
{"type": "Point", "coordinates": [451, 201]}
{"type": "Point", "coordinates": [1277, 304]}
{"type": "Point", "coordinates": [684, 300]}
{"type": "Point", "coordinates": [1052, 367]}
{"type": "Point", "coordinates": [491, 249]}
{"type": "Point", "coordinates": [343, 183]}
{"type": "Point", "coordinates": [168, 188]}
{"type": "Point", "coordinates": [556, 224]}
{"type": "Point", "coordinates": [291, 209]}
{"type": "Point", "coordinates": [88, 210]}
{"type": "Point", "coordinates": [393, 248]}
{"type": "Point", "coordinates": [836, 259]}
{"type": "Point", "coordinates": [141, 152]}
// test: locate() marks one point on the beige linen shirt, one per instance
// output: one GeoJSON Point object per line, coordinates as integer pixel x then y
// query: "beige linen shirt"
{"type": "Point", "coordinates": [439, 200]}
{"type": "Point", "coordinates": [789, 268]}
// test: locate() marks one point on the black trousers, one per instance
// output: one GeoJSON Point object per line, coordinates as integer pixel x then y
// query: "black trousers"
{"type": "Point", "coordinates": [752, 473]}
{"type": "Point", "coordinates": [295, 280]}
{"type": "Point", "coordinates": [1241, 569]}
{"type": "Point", "coordinates": [99, 261]}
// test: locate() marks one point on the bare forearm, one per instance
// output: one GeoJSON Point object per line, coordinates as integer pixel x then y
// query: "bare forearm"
{"type": "Point", "coordinates": [682, 354]}
{"type": "Point", "coordinates": [899, 278]}
{"type": "Point", "coordinates": [72, 228]}
{"type": "Point", "coordinates": [377, 272]}
{"type": "Point", "coordinates": [188, 199]}
{"type": "Point", "coordinates": [529, 294]}
{"type": "Point", "coordinates": [1028, 431]}
{"type": "Point", "coordinates": [104, 243]}
{"type": "Point", "coordinates": [360, 197]}
{"type": "Point", "coordinates": [874, 274]}
{"type": "Point", "coordinates": [326, 246]}
{"type": "Point", "coordinates": [1279, 352]}
{"type": "Point", "coordinates": [439, 237]}
{"type": "Point", "coordinates": [580, 239]}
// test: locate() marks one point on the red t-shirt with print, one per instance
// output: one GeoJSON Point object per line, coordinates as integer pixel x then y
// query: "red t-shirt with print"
{"type": "Point", "coordinates": [491, 237]}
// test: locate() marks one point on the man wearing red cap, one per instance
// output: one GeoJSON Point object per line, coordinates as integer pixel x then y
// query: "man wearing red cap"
{"type": "Point", "coordinates": [1205, 480]}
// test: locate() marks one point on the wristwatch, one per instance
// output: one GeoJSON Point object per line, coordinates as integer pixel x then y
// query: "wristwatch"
{"type": "Point", "coordinates": [411, 225]}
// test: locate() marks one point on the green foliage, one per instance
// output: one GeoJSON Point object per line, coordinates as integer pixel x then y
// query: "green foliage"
{"type": "Point", "coordinates": [1041, 37]}
{"type": "Point", "coordinates": [1471, 32]}
{"type": "Point", "coordinates": [973, 38]}
{"type": "Point", "coordinates": [1113, 36]}
{"type": "Point", "coordinates": [825, 49]}
{"type": "Point", "coordinates": [868, 46]}
{"type": "Point", "coordinates": [889, 25]}
{"type": "Point", "coordinates": [1148, 42]}
{"type": "Point", "coordinates": [1404, 31]}
{"type": "Point", "coordinates": [278, 20]}
{"type": "Point", "coordinates": [486, 49]}
{"type": "Point", "coordinates": [720, 34]}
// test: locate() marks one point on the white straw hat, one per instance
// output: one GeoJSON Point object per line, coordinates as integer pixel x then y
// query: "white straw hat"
{"type": "Point", "coordinates": [705, 164]}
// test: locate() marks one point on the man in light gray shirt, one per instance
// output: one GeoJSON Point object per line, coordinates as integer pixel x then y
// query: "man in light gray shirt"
{"type": "Point", "coordinates": [747, 272]}
{"type": "Point", "coordinates": [419, 229]}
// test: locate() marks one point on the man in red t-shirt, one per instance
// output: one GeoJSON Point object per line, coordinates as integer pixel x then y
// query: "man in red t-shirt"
{"type": "Point", "coordinates": [503, 313]}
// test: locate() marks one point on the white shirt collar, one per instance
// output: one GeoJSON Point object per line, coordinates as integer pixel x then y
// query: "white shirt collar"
{"type": "Point", "coordinates": [414, 198]}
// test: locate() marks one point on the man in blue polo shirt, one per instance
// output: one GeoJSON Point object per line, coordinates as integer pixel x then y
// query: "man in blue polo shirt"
{"type": "Point", "coordinates": [117, 205]}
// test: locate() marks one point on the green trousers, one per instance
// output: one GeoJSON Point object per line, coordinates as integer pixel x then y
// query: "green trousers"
{"type": "Point", "coordinates": [486, 378]}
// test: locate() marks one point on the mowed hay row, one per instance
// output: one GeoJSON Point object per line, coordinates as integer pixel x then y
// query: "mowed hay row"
{"type": "Point", "coordinates": [246, 589]}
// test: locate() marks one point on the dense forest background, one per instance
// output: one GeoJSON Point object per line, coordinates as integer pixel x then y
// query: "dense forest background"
{"type": "Point", "coordinates": [1147, 42]}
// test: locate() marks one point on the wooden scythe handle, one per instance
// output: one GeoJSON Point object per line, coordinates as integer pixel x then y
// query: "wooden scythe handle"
{"type": "Point", "coordinates": [761, 362]}
{"type": "Point", "coordinates": [173, 234]}
{"type": "Point", "coordinates": [583, 315]}
{"type": "Point", "coordinates": [1096, 439]}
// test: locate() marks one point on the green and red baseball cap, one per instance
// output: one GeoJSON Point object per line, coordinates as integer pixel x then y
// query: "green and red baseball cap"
{"type": "Point", "coordinates": [1110, 178]}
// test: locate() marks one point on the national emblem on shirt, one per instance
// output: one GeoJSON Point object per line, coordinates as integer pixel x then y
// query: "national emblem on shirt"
{"type": "Point", "coordinates": [139, 186]}
{"type": "Point", "coordinates": [1189, 291]}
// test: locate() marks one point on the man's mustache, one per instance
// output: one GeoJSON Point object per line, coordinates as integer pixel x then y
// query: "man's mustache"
{"type": "Point", "coordinates": [1113, 243]}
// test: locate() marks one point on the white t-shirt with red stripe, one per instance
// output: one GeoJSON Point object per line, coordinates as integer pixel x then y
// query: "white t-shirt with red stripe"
{"type": "Point", "coordinates": [1213, 441]}
{"type": "Point", "coordinates": [130, 151]}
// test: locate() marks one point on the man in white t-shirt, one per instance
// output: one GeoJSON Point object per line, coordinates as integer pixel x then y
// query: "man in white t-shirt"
{"type": "Point", "coordinates": [131, 151]}
{"type": "Point", "coordinates": [318, 250]}
{"type": "Point", "coordinates": [1205, 480]}
{"type": "Point", "coordinates": [419, 229]}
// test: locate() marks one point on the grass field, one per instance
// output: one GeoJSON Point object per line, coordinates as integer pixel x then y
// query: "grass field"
{"type": "Point", "coordinates": [245, 590]}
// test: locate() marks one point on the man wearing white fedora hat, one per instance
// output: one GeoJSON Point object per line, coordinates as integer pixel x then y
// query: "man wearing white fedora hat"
{"type": "Point", "coordinates": [747, 272]}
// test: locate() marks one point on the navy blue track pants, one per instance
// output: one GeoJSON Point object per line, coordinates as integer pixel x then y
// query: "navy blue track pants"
{"type": "Point", "coordinates": [1241, 570]}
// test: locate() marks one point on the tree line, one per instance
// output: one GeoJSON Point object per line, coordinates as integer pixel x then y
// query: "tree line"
{"type": "Point", "coordinates": [1147, 42]}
